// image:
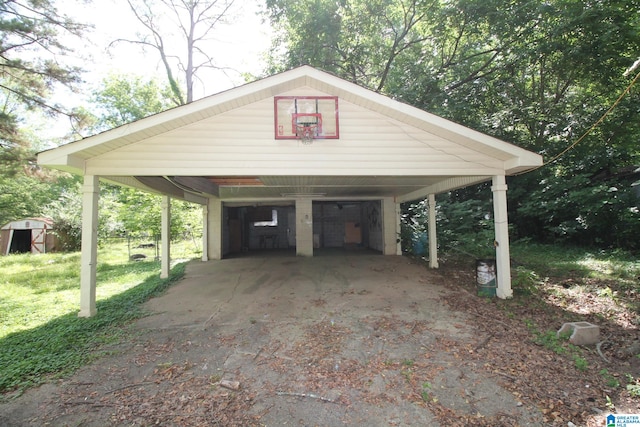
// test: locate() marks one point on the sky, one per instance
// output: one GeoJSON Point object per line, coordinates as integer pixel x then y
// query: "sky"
{"type": "Point", "coordinates": [239, 45]}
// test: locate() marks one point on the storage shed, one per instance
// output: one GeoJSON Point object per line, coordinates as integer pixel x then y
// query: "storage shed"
{"type": "Point", "coordinates": [27, 235]}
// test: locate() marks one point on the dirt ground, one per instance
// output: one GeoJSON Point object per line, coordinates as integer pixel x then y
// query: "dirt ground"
{"type": "Point", "coordinates": [342, 339]}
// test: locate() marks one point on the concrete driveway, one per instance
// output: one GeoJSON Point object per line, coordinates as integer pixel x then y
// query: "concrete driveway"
{"type": "Point", "coordinates": [347, 338]}
{"type": "Point", "coordinates": [340, 286]}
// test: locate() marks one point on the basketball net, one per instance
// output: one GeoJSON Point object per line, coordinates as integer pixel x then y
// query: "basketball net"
{"type": "Point", "coordinates": [306, 133]}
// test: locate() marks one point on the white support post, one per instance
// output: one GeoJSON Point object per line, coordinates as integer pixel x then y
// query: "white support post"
{"type": "Point", "coordinates": [304, 227]}
{"type": "Point", "coordinates": [398, 229]}
{"type": "Point", "coordinates": [501, 224]}
{"type": "Point", "coordinates": [432, 232]}
{"type": "Point", "coordinates": [165, 230]}
{"type": "Point", "coordinates": [89, 254]}
{"type": "Point", "coordinates": [214, 233]}
{"type": "Point", "coordinates": [205, 233]}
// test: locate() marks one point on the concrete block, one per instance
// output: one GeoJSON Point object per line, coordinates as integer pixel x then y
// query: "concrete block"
{"type": "Point", "coordinates": [582, 333]}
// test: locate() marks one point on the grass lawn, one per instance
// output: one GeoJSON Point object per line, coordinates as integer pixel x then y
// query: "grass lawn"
{"type": "Point", "coordinates": [40, 333]}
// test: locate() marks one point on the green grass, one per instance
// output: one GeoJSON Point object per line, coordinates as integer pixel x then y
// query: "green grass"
{"type": "Point", "coordinates": [569, 262]}
{"type": "Point", "coordinates": [41, 335]}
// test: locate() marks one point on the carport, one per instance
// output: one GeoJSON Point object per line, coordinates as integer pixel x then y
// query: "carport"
{"type": "Point", "coordinates": [299, 160]}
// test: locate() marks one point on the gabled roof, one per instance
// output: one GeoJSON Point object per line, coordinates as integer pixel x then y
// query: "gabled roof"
{"type": "Point", "coordinates": [28, 223]}
{"type": "Point", "coordinates": [428, 142]}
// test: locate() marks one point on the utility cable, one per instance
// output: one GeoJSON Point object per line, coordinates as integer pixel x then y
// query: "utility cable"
{"type": "Point", "coordinates": [593, 126]}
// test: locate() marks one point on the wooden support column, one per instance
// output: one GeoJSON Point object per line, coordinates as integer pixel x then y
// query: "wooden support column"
{"type": "Point", "coordinates": [205, 233]}
{"type": "Point", "coordinates": [89, 254]}
{"type": "Point", "coordinates": [214, 233]}
{"type": "Point", "coordinates": [304, 227]}
{"type": "Point", "coordinates": [432, 232]}
{"type": "Point", "coordinates": [165, 244]}
{"type": "Point", "coordinates": [501, 224]}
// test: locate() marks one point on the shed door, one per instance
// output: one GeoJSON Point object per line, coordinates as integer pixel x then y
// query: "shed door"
{"type": "Point", "coordinates": [38, 240]}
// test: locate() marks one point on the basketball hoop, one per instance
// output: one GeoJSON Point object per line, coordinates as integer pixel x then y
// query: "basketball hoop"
{"type": "Point", "coordinates": [306, 132]}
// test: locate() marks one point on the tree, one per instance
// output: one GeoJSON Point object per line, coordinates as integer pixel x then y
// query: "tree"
{"type": "Point", "coordinates": [24, 196]}
{"type": "Point", "coordinates": [360, 41]}
{"type": "Point", "coordinates": [195, 21]}
{"type": "Point", "coordinates": [125, 99]}
{"type": "Point", "coordinates": [30, 52]}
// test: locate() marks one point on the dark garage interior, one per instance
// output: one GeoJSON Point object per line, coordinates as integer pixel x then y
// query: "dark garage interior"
{"type": "Point", "coordinates": [349, 225]}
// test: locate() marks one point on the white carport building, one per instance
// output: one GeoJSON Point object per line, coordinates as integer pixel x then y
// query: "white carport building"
{"type": "Point", "coordinates": [303, 144]}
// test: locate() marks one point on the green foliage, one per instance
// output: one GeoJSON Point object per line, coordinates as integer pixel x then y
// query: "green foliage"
{"type": "Point", "coordinates": [580, 363]}
{"type": "Point", "coordinates": [57, 346]}
{"type": "Point", "coordinates": [118, 218]}
{"type": "Point", "coordinates": [611, 380]}
{"type": "Point", "coordinates": [634, 390]}
{"type": "Point", "coordinates": [66, 213]}
{"type": "Point", "coordinates": [551, 341]}
{"type": "Point", "coordinates": [413, 228]}
{"type": "Point", "coordinates": [558, 344]}
{"type": "Point", "coordinates": [571, 208]}
{"type": "Point", "coordinates": [564, 261]}
{"type": "Point", "coordinates": [23, 195]}
{"type": "Point", "coordinates": [31, 67]}
{"type": "Point", "coordinates": [426, 393]}
{"type": "Point", "coordinates": [464, 225]}
{"type": "Point", "coordinates": [524, 281]}
{"type": "Point", "coordinates": [124, 99]}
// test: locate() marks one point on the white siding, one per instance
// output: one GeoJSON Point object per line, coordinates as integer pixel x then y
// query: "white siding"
{"type": "Point", "coordinates": [241, 142]}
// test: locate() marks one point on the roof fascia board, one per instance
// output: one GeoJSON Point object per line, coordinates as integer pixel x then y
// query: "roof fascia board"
{"type": "Point", "coordinates": [525, 163]}
{"type": "Point", "coordinates": [165, 187]}
{"type": "Point", "coordinates": [129, 181]}
{"type": "Point", "coordinates": [288, 199]}
{"type": "Point", "coordinates": [65, 162]}
{"type": "Point", "coordinates": [196, 183]}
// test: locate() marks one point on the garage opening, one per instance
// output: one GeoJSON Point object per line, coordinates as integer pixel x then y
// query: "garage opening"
{"type": "Point", "coordinates": [337, 225]}
{"type": "Point", "coordinates": [259, 228]}
{"type": "Point", "coordinates": [350, 225]}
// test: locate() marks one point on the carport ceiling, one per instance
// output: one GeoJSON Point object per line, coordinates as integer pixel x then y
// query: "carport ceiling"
{"type": "Point", "coordinates": [274, 187]}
